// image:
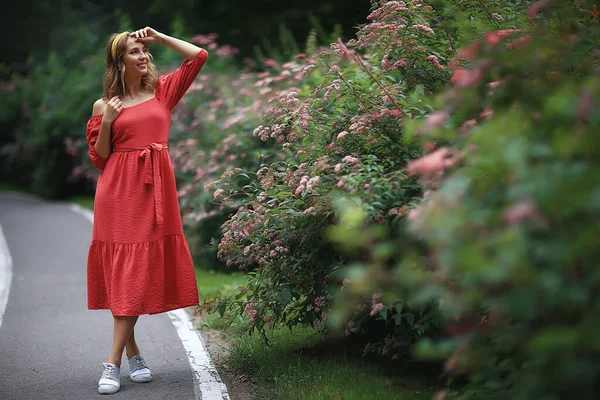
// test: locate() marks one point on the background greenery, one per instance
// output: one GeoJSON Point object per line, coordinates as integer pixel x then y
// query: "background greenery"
{"type": "Point", "coordinates": [44, 26]}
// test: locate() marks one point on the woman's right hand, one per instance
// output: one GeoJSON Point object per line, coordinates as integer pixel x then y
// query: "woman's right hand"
{"type": "Point", "coordinates": [113, 109]}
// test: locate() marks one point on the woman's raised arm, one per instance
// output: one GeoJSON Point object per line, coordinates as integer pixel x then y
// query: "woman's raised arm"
{"type": "Point", "coordinates": [149, 35]}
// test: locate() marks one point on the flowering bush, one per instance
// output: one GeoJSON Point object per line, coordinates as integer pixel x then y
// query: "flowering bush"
{"type": "Point", "coordinates": [504, 243]}
{"type": "Point", "coordinates": [340, 131]}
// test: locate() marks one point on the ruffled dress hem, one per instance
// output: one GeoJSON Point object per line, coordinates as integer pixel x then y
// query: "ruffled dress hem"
{"type": "Point", "coordinates": [117, 283]}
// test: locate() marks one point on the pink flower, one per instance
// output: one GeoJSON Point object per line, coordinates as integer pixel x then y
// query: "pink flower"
{"type": "Point", "coordinates": [252, 315]}
{"type": "Point", "coordinates": [441, 395]}
{"type": "Point", "coordinates": [523, 210]}
{"type": "Point", "coordinates": [415, 213]}
{"type": "Point", "coordinates": [270, 62]}
{"type": "Point", "coordinates": [436, 62]}
{"type": "Point", "coordinates": [469, 52]}
{"type": "Point", "coordinates": [340, 49]}
{"type": "Point", "coordinates": [435, 119]}
{"type": "Point", "coordinates": [350, 160]}
{"type": "Point", "coordinates": [424, 28]}
{"type": "Point", "coordinates": [493, 38]}
{"type": "Point", "coordinates": [219, 194]}
{"type": "Point", "coordinates": [340, 184]}
{"type": "Point", "coordinates": [385, 64]}
{"type": "Point", "coordinates": [486, 114]}
{"type": "Point", "coordinates": [400, 63]}
{"type": "Point", "coordinates": [338, 168]}
{"type": "Point", "coordinates": [342, 135]}
{"type": "Point", "coordinates": [432, 162]}
{"type": "Point", "coordinates": [468, 125]}
{"type": "Point", "coordinates": [311, 182]}
{"type": "Point", "coordinates": [520, 41]}
{"type": "Point", "coordinates": [535, 8]}
{"type": "Point", "coordinates": [464, 78]}
{"type": "Point", "coordinates": [309, 210]}
{"type": "Point", "coordinates": [375, 308]}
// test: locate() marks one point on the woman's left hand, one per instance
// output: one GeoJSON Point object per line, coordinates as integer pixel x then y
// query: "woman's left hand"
{"type": "Point", "coordinates": [147, 35]}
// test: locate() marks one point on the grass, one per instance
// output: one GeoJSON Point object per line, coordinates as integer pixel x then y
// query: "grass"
{"type": "Point", "coordinates": [302, 365]}
{"type": "Point", "coordinates": [8, 187]}
{"type": "Point", "coordinates": [84, 201]}
{"type": "Point", "coordinates": [212, 283]}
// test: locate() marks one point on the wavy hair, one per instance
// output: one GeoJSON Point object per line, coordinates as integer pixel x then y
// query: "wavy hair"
{"type": "Point", "coordinates": [114, 74]}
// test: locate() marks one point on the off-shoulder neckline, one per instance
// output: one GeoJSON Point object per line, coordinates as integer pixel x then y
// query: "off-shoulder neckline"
{"type": "Point", "coordinates": [125, 108]}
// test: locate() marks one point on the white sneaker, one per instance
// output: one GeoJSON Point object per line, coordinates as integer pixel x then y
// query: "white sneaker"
{"type": "Point", "coordinates": [138, 369]}
{"type": "Point", "coordinates": [110, 382]}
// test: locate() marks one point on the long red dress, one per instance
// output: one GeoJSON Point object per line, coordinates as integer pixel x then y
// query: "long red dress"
{"type": "Point", "coordinates": [139, 261]}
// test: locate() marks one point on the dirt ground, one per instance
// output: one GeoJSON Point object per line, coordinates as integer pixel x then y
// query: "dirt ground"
{"type": "Point", "coordinates": [239, 386]}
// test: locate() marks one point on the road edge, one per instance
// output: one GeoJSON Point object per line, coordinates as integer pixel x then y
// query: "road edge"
{"type": "Point", "coordinates": [5, 274]}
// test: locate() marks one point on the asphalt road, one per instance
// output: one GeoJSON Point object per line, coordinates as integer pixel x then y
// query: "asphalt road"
{"type": "Point", "coordinates": [51, 346]}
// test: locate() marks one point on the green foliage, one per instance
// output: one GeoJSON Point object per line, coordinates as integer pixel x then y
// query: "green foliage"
{"type": "Point", "coordinates": [47, 107]}
{"type": "Point", "coordinates": [504, 243]}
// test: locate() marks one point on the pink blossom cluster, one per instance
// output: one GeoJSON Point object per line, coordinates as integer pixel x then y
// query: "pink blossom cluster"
{"type": "Point", "coordinates": [433, 59]}
{"type": "Point", "coordinates": [376, 303]}
{"type": "Point", "coordinates": [306, 183]}
{"type": "Point", "coordinates": [434, 162]}
{"type": "Point", "coordinates": [424, 28]}
{"type": "Point", "coordinates": [522, 211]}
{"type": "Point", "coordinates": [386, 65]}
{"type": "Point", "coordinates": [341, 50]}
{"type": "Point", "coordinates": [388, 24]}
{"type": "Point", "coordinates": [360, 123]}
{"type": "Point", "coordinates": [350, 160]}
{"type": "Point", "coordinates": [396, 114]}
{"type": "Point", "coordinates": [333, 86]}
{"type": "Point", "coordinates": [388, 9]}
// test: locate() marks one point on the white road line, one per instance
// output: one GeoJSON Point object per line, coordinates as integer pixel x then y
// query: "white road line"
{"type": "Point", "coordinates": [87, 214]}
{"type": "Point", "coordinates": [209, 385]}
{"type": "Point", "coordinates": [207, 382]}
{"type": "Point", "coordinates": [5, 274]}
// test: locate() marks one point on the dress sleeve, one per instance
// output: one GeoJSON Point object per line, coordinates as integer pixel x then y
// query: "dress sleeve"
{"type": "Point", "coordinates": [171, 88]}
{"type": "Point", "coordinates": [91, 134]}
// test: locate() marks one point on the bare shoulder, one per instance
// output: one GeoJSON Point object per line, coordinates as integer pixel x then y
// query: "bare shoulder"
{"type": "Point", "coordinates": [99, 107]}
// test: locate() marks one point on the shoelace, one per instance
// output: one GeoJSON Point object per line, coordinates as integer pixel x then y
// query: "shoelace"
{"type": "Point", "coordinates": [139, 363]}
{"type": "Point", "coordinates": [109, 371]}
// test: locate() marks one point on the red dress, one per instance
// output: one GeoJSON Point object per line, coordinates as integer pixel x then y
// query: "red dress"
{"type": "Point", "coordinates": [139, 261]}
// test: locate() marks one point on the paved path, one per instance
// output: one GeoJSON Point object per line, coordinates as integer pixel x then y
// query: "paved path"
{"type": "Point", "coordinates": [51, 346]}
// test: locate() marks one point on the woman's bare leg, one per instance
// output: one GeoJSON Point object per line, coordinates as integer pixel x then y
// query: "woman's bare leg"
{"type": "Point", "coordinates": [131, 348]}
{"type": "Point", "coordinates": [122, 331]}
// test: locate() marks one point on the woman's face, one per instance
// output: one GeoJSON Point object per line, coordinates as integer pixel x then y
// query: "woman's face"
{"type": "Point", "coordinates": [136, 57]}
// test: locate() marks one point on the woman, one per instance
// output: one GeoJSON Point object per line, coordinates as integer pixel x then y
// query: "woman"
{"type": "Point", "coordinates": [138, 261]}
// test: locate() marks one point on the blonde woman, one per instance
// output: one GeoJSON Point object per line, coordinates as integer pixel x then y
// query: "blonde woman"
{"type": "Point", "coordinates": [138, 261]}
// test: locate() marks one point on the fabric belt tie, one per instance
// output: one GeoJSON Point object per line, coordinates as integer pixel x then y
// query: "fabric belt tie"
{"type": "Point", "coordinates": [152, 176]}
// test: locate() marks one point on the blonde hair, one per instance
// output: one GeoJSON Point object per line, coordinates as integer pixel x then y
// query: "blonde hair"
{"type": "Point", "coordinates": [114, 75]}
